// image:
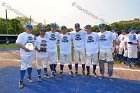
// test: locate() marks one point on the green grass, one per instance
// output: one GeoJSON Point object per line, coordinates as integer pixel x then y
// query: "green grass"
{"type": "Point", "coordinates": [8, 45]}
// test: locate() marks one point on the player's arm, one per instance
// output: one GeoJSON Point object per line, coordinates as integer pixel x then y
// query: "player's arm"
{"type": "Point", "coordinates": [125, 45]}
{"type": "Point", "coordinates": [36, 44]}
{"type": "Point", "coordinates": [19, 43]}
{"type": "Point", "coordinates": [23, 47]}
{"type": "Point", "coordinates": [115, 43]}
{"type": "Point", "coordinates": [119, 40]}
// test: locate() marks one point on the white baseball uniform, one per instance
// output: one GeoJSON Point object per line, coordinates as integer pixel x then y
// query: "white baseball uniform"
{"type": "Point", "coordinates": [139, 46]}
{"type": "Point", "coordinates": [121, 39]}
{"type": "Point", "coordinates": [52, 39]}
{"type": "Point", "coordinates": [65, 48]}
{"type": "Point", "coordinates": [92, 48]}
{"type": "Point", "coordinates": [132, 49]}
{"type": "Point", "coordinates": [79, 45]}
{"type": "Point", "coordinates": [115, 36]}
{"type": "Point", "coordinates": [105, 45]}
{"type": "Point", "coordinates": [27, 58]}
{"type": "Point", "coordinates": [41, 57]}
{"type": "Point", "coordinates": [139, 41]}
{"type": "Point", "coordinates": [125, 51]}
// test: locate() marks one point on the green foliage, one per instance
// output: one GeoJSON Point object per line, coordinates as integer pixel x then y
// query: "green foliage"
{"type": "Point", "coordinates": [16, 25]}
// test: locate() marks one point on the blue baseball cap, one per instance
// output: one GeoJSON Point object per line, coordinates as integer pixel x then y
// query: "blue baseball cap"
{"type": "Point", "coordinates": [42, 29]}
{"type": "Point", "coordinates": [29, 26]}
{"type": "Point", "coordinates": [63, 27]}
{"type": "Point", "coordinates": [87, 26]}
{"type": "Point", "coordinates": [97, 31]}
{"type": "Point", "coordinates": [77, 25]}
{"type": "Point", "coordinates": [129, 30]}
{"type": "Point", "coordinates": [124, 31]}
{"type": "Point", "coordinates": [138, 31]}
{"type": "Point", "coordinates": [53, 25]}
{"type": "Point", "coordinates": [101, 25]}
{"type": "Point", "coordinates": [133, 28]}
{"type": "Point", "coordinates": [115, 29]}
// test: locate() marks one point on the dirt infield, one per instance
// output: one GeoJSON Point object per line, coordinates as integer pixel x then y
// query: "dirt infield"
{"type": "Point", "coordinates": [11, 58]}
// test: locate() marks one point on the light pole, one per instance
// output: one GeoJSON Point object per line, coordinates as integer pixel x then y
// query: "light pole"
{"type": "Point", "coordinates": [6, 21]}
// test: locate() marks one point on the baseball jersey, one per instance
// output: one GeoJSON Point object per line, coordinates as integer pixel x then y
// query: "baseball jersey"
{"type": "Point", "coordinates": [91, 43]}
{"type": "Point", "coordinates": [139, 39]}
{"type": "Point", "coordinates": [41, 42]}
{"type": "Point", "coordinates": [105, 40]}
{"type": "Point", "coordinates": [121, 38]}
{"type": "Point", "coordinates": [132, 38]}
{"type": "Point", "coordinates": [115, 35]}
{"type": "Point", "coordinates": [78, 39]}
{"type": "Point", "coordinates": [65, 44]}
{"type": "Point", "coordinates": [23, 39]}
{"type": "Point", "coordinates": [52, 39]}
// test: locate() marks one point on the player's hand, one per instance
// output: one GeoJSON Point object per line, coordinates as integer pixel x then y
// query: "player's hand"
{"type": "Point", "coordinates": [135, 43]}
{"type": "Point", "coordinates": [117, 50]}
{"type": "Point", "coordinates": [125, 48]}
{"type": "Point", "coordinates": [27, 50]}
{"type": "Point", "coordinates": [38, 50]}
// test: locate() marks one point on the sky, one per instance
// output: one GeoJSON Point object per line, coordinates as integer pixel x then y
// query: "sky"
{"type": "Point", "coordinates": [66, 12]}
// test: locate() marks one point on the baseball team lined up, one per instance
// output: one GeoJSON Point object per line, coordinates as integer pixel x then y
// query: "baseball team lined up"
{"type": "Point", "coordinates": [90, 48]}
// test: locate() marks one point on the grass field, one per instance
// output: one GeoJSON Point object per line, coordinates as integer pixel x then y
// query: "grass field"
{"type": "Point", "coordinates": [8, 45]}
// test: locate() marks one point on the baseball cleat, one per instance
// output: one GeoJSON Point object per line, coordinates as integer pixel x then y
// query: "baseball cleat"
{"type": "Point", "coordinates": [30, 80]}
{"type": "Point", "coordinates": [39, 78]}
{"type": "Point", "coordinates": [123, 62]}
{"type": "Point", "coordinates": [101, 77]}
{"type": "Point", "coordinates": [94, 74]}
{"type": "Point", "coordinates": [110, 78]}
{"type": "Point", "coordinates": [76, 73]}
{"type": "Point", "coordinates": [21, 84]}
{"type": "Point", "coordinates": [133, 65]}
{"type": "Point", "coordinates": [61, 73]}
{"type": "Point", "coordinates": [129, 66]}
{"type": "Point", "coordinates": [55, 71]}
{"type": "Point", "coordinates": [53, 74]}
{"type": "Point", "coordinates": [46, 76]}
{"type": "Point", "coordinates": [83, 73]}
{"type": "Point", "coordinates": [88, 74]}
{"type": "Point", "coordinates": [71, 74]}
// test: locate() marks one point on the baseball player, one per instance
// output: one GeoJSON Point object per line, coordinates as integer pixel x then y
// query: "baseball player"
{"type": "Point", "coordinates": [139, 45]}
{"type": "Point", "coordinates": [41, 53]}
{"type": "Point", "coordinates": [121, 40]}
{"type": "Point", "coordinates": [78, 37]}
{"type": "Point", "coordinates": [65, 50]}
{"type": "Point", "coordinates": [115, 48]}
{"type": "Point", "coordinates": [52, 39]}
{"type": "Point", "coordinates": [132, 44]}
{"type": "Point", "coordinates": [25, 41]}
{"type": "Point", "coordinates": [105, 50]}
{"type": "Point", "coordinates": [92, 49]}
